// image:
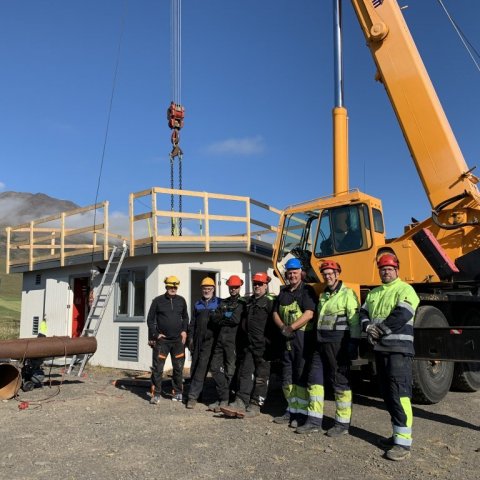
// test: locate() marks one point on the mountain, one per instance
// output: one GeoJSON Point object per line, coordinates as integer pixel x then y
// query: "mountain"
{"type": "Point", "coordinates": [19, 207]}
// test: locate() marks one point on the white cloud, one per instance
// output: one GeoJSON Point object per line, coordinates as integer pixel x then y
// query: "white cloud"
{"type": "Point", "coordinates": [2, 186]}
{"type": "Point", "coordinates": [237, 146]}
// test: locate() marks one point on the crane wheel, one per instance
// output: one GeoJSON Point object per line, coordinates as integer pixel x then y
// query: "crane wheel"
{"type": "Point", "coordinates": [431, 378]}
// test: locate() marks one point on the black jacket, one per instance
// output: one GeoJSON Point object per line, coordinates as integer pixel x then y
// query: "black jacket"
{"type": "Point", "coordinates": [168, 316]}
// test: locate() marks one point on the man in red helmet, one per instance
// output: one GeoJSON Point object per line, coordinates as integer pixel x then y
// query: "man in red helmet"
{"type": "Point", "coordinates": [254, 339]}
{"type": "Point", "coordinates": [387, 317]}
{"type": "Point", "coordinates": [338, 332]}
{"type": "Point", "coordinates": [293, 311]}
{"type": "Point", "coordinates": [224, 355]}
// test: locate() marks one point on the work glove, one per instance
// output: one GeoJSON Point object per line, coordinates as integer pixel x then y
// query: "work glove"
{"type": "Point", "coordinates": [353, 349]}
{"type": "Point", "coordinates": [288, 335]}
{"type": "Point", "coordinates": [374, 334]}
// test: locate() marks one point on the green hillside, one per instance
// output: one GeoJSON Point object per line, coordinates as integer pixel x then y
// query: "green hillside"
{"type": "Point", "coordinates": [10, 300]}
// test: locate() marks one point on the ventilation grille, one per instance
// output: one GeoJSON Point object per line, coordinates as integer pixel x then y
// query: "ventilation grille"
{"type": "Point", "coordinates": [35, 325]}
{"type": "Point", "coordinates": [128, 343]}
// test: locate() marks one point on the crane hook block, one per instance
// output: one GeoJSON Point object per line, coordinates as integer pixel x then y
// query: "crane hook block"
{"type": "Point", "coordinates": [175, 116]}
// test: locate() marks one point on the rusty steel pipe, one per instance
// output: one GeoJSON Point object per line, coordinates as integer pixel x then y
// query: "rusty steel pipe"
{"type": "Point", "coordinates": [10, 381]}
{"type": "Point", "coordinates": [45, 347]}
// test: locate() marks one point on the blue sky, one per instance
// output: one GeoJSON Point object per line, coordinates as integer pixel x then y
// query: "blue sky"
{"type": "Point", "coordinates": [257, 85]}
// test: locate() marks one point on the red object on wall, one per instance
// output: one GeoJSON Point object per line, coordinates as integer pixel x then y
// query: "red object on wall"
{"type": "Point", "coordinates": [80, 302]}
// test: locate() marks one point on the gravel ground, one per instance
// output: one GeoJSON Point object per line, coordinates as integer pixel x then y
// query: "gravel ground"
{"type": "Point", "coordinates": [89, 428]}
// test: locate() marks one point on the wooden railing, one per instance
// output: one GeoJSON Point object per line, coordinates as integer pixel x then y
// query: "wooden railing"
{"type": "Point", "coordinates": [205, 218]}
{"type": "Point", "coordinates": [61, 235]}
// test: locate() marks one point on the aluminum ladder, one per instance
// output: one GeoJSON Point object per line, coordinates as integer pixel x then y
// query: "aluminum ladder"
{"type": "Point", "coordinates": [94, 319]}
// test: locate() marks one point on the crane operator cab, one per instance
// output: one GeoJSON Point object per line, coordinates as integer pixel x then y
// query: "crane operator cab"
{"type": "Point", "coordinates": [336, 227]}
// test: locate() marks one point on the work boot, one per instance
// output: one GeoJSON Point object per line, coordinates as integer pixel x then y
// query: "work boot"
{"type": "Point", "coordinates": [337, 431]}
{"type": "Point", "coordinates": [308, 427]}
{"type": "Point", "coordinates": [385, 443]}
{"type": "Point", "coordinates": [215, 406]}
{"type": "Point", "coordinates": [397, 453]}
{"type": "Point", "coordinates": [191, 402]}
{"type": "Point", "coordinates": [155, 400]}
{"type": "Point", "coordinates": [298, 420]}
{"type": "Point", "coordinates": [177, 397]}
{"type": "Point", "coordinates": [252, 411]}
{"type": "Point", "coordinates": [284, 419]}
{"type": "Point", "coordinates": [234, 409]}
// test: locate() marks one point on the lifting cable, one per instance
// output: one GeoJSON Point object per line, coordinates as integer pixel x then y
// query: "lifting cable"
{"type": "Point", "coordinates": [176, 112]}
{"type": "Point", "coordinates": [466, 42]}
{"type": "Point", "coordinates": [94, 272]}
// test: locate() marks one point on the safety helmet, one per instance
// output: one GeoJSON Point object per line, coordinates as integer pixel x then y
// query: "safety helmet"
{"type": "Point", "coordinates": [388, 260]}
{"type": "Point", "coordinates": [330, 264]}
{"type": "Point", "coordinates": [208, 282]}
{"type": "Point", "coordinates": [172, 281]}
{"type": "Point", "coordinates": [261, 277]}
{"type": "Point", "coordinates": [234, 281]}
{"type": "Point", "coordinates": [293, 264]}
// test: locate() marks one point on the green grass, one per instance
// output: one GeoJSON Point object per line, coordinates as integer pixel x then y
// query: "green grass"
{"type": "Point", "coordinates": [10, 302]}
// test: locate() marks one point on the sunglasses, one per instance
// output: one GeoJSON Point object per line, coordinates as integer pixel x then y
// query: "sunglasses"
{"type": "Point", "coordinates": [170, 287]}
{"type": "Point", "coordinates": [258, 284]}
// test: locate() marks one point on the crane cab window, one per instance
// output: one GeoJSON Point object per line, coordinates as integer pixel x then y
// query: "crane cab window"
{"type": "Point", "coordinates": [378, 221]}
{"type": "Point", "coordinates": [298, 239]}
{"type": "Point", "coordinates": [343, 229]}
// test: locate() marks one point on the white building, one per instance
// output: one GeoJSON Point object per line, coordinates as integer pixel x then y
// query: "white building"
{"type": "Point", "coordinates": [57, 255]}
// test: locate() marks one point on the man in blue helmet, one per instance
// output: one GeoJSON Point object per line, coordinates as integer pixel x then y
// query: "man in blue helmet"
{"type": "Point", "coordinates": [293, 313]}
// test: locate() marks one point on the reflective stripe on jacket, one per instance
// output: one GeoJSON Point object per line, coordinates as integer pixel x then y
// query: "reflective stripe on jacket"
{"type": "Point", "coordinates": [338, 314]}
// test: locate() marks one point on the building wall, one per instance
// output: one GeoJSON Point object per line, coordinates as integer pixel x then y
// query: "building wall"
{"type": "Point", "coordinates": [54, 297]}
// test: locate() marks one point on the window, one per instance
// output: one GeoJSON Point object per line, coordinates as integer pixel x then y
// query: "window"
{"type": "Point", "coordinates": [130, 295]}
{"type": "Point", "coordinates": [38, 279]}
{"type": "Point", "coordinates": [343, 229]}
{"type": "Point", "coordinates": [378, 221]}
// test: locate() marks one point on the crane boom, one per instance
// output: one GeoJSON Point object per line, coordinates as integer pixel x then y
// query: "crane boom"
{"type": "Point", "coordinates": [430, 139]}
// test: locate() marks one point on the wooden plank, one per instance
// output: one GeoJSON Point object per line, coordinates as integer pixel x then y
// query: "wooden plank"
{"type": "Point", "coordinates": [207, 223]}
{"type": "Point", "coordinates": [264, 225]}
{"type": "Point", "coordinates": [199, 238]}
{"type": "Point", "coordinates": [265, 206]}
{"type": "Point", "coordinates": [105, 238]}
{"type": "Point", "coordinates": [143, 193]}
{"type": "Point", "coordinates": [30, 254]}
{"type": "Point", "coordinates": [62, 241]}
{"type": "Point", "coordinates": [131, 220]}
{"type": "Point", "coordinates": [154, 218]}
{"type": "Point", "coordinates": [142, 216]}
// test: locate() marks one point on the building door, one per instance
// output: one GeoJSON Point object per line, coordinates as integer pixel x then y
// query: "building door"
{"type": "Point", "coordinates": [80, 305]}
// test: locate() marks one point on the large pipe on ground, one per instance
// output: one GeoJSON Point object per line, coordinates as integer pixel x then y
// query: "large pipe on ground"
{"type": "Point", "coordinates": [45, 347]}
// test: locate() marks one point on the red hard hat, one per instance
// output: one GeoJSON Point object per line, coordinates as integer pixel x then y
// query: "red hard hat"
{"type": "Point", "coordinates": [261, 277]}
{"type": "Point", "coordinates": [234, 281]}
{"type": "Point", "coordinates": [388, 260]}
{"type": "Point", "coordinates": [330, 264]}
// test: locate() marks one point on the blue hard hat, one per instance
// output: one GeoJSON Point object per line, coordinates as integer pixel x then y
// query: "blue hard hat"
{"type": "Point", "coordinates": [293, 264]}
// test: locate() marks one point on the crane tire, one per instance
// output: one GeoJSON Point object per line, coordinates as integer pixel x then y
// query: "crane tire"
{"type": "Point", "coordinates": [431, 379]}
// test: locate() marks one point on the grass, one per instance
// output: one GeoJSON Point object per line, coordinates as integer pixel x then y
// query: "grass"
{"type": "Point", "coordinates": [10, 303]}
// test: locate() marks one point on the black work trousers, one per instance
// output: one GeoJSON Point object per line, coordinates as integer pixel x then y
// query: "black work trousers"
{"type": "Point", "coordinates": [253, 376]}
{"type": "Point", "coordinates": [223, 362]}
{"type": "Point", "coordinates": [200, 367]}
{"type": "Point", "coordinates": [394, 371]}
{"type": "Point", "coordinates": [161, 350]}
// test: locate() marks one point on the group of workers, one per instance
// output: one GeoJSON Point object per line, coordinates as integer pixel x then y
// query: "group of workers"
{"type": "Point", "coordinates": [316, 338]}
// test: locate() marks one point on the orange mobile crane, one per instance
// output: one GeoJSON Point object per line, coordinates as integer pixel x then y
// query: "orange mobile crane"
{"type": "Point", "coordinates": [439, 256]}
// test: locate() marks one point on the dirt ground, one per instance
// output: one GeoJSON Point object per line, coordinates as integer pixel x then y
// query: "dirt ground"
{"type": "Point", "coordinates": [88, 428]}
